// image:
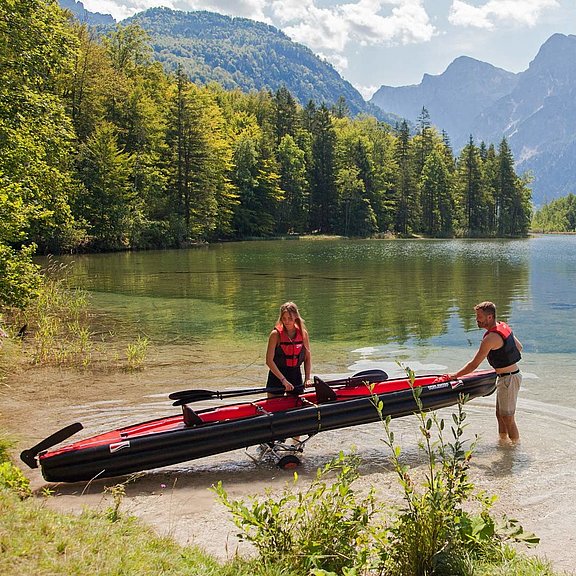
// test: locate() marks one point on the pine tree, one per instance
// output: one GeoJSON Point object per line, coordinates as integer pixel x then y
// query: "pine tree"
{"type": "Point", "coordinates": [407, 210]}
{"type": "Point", "coordinates": [294, 209]}
{"type": "Point", "coordinates": [323, 195]}
{"type": "Point", "coordinates": [470, 191]}
{"type": "Point", "coordinates": [285, 114]}
{"type": "Point", "coordinates": [436, 194]}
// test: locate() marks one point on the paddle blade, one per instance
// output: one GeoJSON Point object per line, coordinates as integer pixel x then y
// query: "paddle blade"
{"type": "Point", "coordinates": [29, 456]}
{"type": "Point", "coordinates": [373, 373]}
{"type": "Point", "coordinates": [369, 376]}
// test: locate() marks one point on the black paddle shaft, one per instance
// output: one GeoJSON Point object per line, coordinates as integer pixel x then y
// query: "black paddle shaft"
{"type": "Point", "coordinates": [188, 396]}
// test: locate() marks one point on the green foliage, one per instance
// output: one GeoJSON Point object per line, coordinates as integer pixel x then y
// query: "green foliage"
{"type": "Point", "coordinates": [11, 477]}
{"type": "Point", "coordinates": [108, 202]}
{"type": "Point", "coordinates": [118, 492]}
{"type": "Point", "coordinates": [557, 216]}
{"type": "Point", "coordinates": [35, 132]}
{"type": "Point", "coordinates": [435, 533]}
{"type": "Point", "coordinates": [323, 527]}
{"type": "Point", "coordinates": [136, 353]}
{"type": "Point", "coordinates": [20, 279]}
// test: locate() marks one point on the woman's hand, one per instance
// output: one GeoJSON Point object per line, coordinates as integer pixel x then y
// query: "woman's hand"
{"type": "Point", "coordinates": [287, 385]}
{"type": "Point", "coordinates": [308, 383]}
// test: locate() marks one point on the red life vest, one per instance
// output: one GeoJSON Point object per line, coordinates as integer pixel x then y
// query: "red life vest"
{"type": "Point", "coordinates": [509, 353]}
{"type": "Point", "coordinates": [289, 352]}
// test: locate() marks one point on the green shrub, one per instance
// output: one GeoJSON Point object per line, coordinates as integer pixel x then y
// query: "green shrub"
{"type": "Point", "coordinates": [12, 478]}
{"type": "Point", "coordinates": [433, 534]}
{"type": "Point", "coordinates": [323, 527]}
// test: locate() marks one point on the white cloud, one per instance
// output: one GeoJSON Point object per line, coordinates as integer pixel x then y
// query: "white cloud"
{"type": "Point", "coordinates": [253, 9]}
{"type": "Point", "coordinates": [365, 22]}
{"type": "Point", "coordinates": [367, 91]}
{"type": "Point", "coordinates": [120, 9]}
{"type": "Point", "coordinates": [494, 12]}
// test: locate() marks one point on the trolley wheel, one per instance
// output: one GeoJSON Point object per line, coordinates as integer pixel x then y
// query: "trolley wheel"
{"type": "Point", "coordinates": [289, 462]}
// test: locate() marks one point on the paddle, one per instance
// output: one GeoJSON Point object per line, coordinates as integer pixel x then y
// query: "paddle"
{"type": "Point", "coordinates": [29, 456]}
{"type": "Point", "coordinates": [188, 396]}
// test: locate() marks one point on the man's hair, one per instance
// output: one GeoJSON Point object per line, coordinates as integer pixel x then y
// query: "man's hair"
{"type": "Point", "coordinates": [487, 307]}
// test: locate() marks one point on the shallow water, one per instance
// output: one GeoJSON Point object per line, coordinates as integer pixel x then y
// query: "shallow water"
{"type": "Point", "coordinates": [367, 305]}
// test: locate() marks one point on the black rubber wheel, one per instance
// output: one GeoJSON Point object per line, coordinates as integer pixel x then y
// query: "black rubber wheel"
{"type": "Point", "coordinates": [289, 462]}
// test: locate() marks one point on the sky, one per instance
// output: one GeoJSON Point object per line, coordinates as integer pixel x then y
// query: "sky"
{"type": "Point", "coordinates": [393, 42]}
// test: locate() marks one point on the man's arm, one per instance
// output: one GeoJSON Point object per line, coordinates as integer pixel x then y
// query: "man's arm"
{"type": "Point", "coordinates": [488, 343]}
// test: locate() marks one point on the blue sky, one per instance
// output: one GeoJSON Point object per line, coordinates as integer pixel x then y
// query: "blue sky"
{"type": "Point", "coordinates": [394, 42]}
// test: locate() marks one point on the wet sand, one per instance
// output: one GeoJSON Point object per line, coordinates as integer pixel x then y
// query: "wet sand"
{"type": "Point", "coordinates": [534, 481]}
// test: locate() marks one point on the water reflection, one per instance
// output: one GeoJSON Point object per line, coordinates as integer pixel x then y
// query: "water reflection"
{"type": "Point", "coordinates": [362, 291]}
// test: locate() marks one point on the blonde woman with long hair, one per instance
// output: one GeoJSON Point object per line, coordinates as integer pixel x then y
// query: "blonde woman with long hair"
{"type": "Point", "coordinates": [288, 349]}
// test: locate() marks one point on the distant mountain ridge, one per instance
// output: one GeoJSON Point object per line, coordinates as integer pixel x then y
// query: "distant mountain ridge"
{"type": "Point", "coordinates": [83, 15]}
{"type": "Point", "coordinates": [453, 98]}
{"type": "Point", "coordinates": [535, 110]}
{"type": "Point", "coordinates": [245, 54]}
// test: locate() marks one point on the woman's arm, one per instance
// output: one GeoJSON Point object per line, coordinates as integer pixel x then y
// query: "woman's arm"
{"type": "Point", "coordinates": [273, 341]}
{"type": "Point", "coordinates": [307, 359]}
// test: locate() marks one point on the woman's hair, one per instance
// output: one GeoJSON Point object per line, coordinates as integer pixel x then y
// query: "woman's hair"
{"type": "Point", "coordinates": [292, 309]}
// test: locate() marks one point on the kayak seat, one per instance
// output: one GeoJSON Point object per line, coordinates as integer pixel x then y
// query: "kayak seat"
{"type": "Point", "coordinates": [190, 417]}
{"type": "Point", "coordinates": [323, 392]}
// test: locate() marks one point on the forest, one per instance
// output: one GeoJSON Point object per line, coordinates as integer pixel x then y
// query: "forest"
{"type": "Point", "coordinates": [557, 216]}
{"type": "Point", "coordinates": [101, 149]}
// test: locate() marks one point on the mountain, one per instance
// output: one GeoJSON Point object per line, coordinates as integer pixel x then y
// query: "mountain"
{"type": "Point", "coordinates": [535, 110]}
{"type": "Point", "coordinates": [538, 118]}
{"type": "Point", "coordinates": [245, 54]}
{"type": "Point", "coordinates": [83, 15]}
{"type": "Point", "coordinates": [238, 53]}
{"type": "Point", "coordinates": [453, 99]}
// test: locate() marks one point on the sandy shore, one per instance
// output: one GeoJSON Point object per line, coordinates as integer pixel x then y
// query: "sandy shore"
{"type": "Point", "coordinates": [534, 482]}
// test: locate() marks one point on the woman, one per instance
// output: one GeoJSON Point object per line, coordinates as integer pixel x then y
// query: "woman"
{"type": "Point", "coordinates": [288, 348]}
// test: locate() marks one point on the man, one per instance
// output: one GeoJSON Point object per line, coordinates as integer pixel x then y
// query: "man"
{"type": "Point", "coordinates": [502, 349]}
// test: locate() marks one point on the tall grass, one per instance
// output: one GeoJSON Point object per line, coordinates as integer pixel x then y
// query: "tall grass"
{"type": "Point", "coordinates": [54, 329]}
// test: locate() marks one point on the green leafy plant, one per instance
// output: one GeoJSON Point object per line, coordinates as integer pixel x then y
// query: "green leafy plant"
{"type": "Point", "coordinates": [118, 492]}
{"type": "Point", "coordinates": [324, 527]}
{"type": "Point", "coordinates": [136, 353]}
{"type": "Point", "coordinates": [13, 479]}
{"type": "Point", "coordinates": [434, 533]}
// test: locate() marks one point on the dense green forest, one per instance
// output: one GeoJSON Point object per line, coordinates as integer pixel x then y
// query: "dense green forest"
{"type": "Point", "coordinates": [245, 54]}
{"type": "Point", "coordinates": [101, 149]}
{"type": "Point", "coordinates": [557, 216]}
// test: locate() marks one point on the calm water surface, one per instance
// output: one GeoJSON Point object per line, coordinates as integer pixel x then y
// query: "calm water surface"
{"type": "Point", "coordinates": [374, 296]}
{"type": "Point", "coordinates": [372, 304]}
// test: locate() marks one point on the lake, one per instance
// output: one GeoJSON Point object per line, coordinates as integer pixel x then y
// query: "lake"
{"type": "Point", "coordinates": [378, 301]}
{"type": "Point", "coordinates": [367, 304]}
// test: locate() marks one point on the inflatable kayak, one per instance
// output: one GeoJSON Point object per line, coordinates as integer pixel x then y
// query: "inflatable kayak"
{"type": "Point", "coordinates": [194, 434]}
